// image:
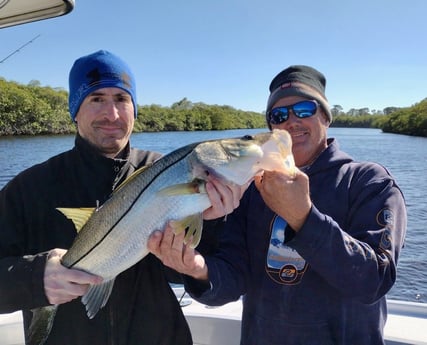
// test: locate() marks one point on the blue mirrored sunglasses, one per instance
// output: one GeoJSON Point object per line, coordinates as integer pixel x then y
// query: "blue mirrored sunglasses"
{"type": "Point", "coordinates": [302, 110]}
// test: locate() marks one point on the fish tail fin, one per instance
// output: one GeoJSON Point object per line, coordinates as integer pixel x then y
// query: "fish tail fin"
{"type": "Point", "coordinates": [41, 325]}
{"type": "Point", "coordinates": [193, 226]}
{"type": "Point", "coordinates": [97, 297]}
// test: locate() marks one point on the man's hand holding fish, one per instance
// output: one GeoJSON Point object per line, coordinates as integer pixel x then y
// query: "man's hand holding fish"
{"type": "Point", "coordinates": [64, 284]}
{"type": "Point", "coordinates": [286, 195]}
{"type": "Point", "coordinates": [170, 248]}
{"type": "Point", "coordinates": [224, 198]}
{"type": "Point", "coordinates": [173, 252]}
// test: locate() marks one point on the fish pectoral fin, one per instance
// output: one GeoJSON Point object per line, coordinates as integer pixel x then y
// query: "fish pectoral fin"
{"type": "Point", "coordinates": [79, 216]}
{"type": "Point", "coordinates": [193, 187]}
{"type": "Point", "coordinates": [97, 297]}
{"type": "Point", "coordinates": [41, 325]}
{"type": "Point", "coordinates": [193, 226]}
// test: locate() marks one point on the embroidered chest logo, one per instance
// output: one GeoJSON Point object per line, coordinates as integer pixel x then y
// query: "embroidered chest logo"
{"type": "Point", "coordinates": [283, 264]}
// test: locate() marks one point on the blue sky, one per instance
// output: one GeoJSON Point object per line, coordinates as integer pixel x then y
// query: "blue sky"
{"type": "Point", "coordinates": [373, 52]}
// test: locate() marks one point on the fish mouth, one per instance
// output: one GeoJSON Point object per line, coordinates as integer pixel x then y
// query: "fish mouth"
{"type": "Point", "coordinates": [237, 161]}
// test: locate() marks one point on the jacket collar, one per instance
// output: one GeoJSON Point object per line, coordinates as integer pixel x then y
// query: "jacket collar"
{"type": "Point", "coordinates": [90, 151]}
{"type": "Point", "coordinates": [111, 169]}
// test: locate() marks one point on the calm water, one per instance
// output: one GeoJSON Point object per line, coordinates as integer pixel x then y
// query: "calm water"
{"type": "Point", "coordinates": [404, 156]}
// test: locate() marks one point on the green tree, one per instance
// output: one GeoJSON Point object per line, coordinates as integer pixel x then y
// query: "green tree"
{"type": "Point", "coordinates": [32, 109]}
{"type": "Point", "coordinates": [337, 110]}
{"type": "Point", "coordinates": [410, 121]}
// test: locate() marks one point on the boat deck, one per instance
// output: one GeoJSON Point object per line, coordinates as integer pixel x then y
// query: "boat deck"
{"type": "Point", "coordinates": [406, 324]}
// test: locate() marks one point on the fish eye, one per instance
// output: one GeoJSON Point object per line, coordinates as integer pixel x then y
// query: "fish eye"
{"type": "Point", "coordinates": [248, 137]}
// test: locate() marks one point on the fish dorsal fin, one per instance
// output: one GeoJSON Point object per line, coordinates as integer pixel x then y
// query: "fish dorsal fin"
{"type": "Point", "coordinates": [97, 297]}
{"type": "Point", "coordinates": [131, 177]}
{"type": "Point", "coordinates": [79, 216]}
{"type": "Point", "coordinates": [193, 187]}
{"type": "Point", "coordinates": [193, 226]}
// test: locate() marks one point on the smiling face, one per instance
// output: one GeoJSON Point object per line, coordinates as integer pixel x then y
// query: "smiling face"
{"type": "Point", "coordinates": [309, 135]}
{"type": "Point", "coordinates": [105, 119]}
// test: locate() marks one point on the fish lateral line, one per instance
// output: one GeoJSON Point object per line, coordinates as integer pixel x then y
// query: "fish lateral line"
{"type": "Point", "coordinates": [187, 149]}
{"type": "Point", "coordinates": [80, 216]}
{"type": "Point", "coordinates": [73, 215]}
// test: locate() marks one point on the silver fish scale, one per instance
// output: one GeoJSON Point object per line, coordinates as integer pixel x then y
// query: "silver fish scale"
{"type": "Point", "coordinates": [116, 234]}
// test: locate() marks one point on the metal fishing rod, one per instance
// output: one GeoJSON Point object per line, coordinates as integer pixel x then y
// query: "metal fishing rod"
{"type": "Point", "coordinates": [17, 50]}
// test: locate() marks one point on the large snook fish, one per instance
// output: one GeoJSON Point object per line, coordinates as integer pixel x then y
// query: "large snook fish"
{"type": "Point", "coordinates": [113, 237]}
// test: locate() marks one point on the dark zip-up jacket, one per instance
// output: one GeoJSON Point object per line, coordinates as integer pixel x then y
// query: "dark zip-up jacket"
{"type": "Point", "coordinates": [142, 309]}
{"type": "Point", "coordinates": [325, 284]}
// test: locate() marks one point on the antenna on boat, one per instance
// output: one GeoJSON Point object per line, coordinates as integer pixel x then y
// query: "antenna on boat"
{"type": "Point", "coordinates": [17, 50]}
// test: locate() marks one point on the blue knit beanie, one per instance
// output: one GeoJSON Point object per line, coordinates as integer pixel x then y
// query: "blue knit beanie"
{"type": "Point", "coordinates": [95, 71]}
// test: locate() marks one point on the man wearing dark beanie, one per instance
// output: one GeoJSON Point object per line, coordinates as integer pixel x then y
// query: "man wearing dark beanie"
{"type": "Point", "coordinates": [301, 81]}
{"type": "Point", "coordinates": [142, 308]}
{"type": "Point", "coordinates": [312, 253]}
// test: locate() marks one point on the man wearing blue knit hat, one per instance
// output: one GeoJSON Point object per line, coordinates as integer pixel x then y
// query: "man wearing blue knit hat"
{"type": "Point", "coordinates": [102, 100]}
{"type": "Point", "coordinates": [34, 236]}
{"type": "Point", "coordinates": [95, 71]}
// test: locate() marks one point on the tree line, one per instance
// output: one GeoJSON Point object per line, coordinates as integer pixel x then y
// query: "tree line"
{"type": "Point", "coordinates": [409, 120]}
{"type": "Point", "coordinates": [36, 110]}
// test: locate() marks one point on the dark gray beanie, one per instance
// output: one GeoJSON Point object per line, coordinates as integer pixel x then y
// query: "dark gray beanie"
{"type": "Point", "coordinates": [299, 80]}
